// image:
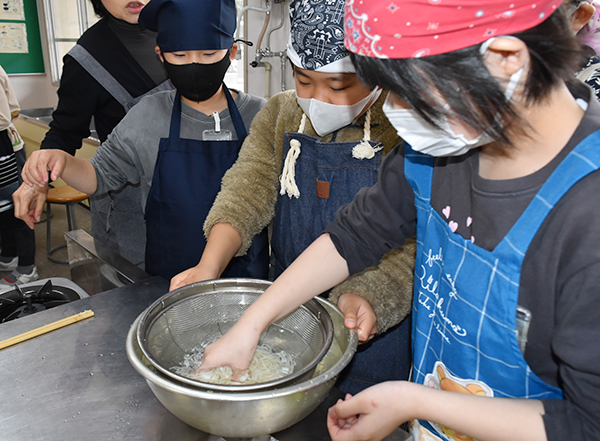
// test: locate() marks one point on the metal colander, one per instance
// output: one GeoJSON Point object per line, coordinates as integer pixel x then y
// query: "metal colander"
{"type": "Point", "coordinates": [197, 314]}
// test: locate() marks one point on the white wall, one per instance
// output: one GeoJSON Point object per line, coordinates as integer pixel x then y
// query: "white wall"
{"type": "Point", "coordinates": [35, 91]}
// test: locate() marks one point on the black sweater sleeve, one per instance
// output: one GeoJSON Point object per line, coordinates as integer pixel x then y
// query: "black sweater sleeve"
{"type": "Point", "coordinates": [379, 218]}
{"type": "Point", "coordinates": [79, 97]}
{"type": "Point", "coordinates": [559, 285]}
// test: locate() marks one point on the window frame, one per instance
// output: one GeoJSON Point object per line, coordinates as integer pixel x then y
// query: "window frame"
{"type": "Point", "coordinates": [53, 52]}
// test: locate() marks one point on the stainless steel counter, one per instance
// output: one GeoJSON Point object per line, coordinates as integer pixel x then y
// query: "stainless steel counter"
{"type": "Point", "coordinates": [76, 382]}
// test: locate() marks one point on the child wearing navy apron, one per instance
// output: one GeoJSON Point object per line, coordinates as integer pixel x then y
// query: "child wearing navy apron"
{"type": "Point", "coordinates": [309, 152]}
{"type": "Point", "coordinates": [501, 160]}
{"type": "Point", "coordinates": [111, 67]}
{"type": "Point", "coordinates": [177, 144]}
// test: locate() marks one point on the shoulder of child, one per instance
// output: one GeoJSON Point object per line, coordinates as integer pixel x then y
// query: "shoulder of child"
{"type": "Point", "coordinates": [160, 101]}
{"type": "Point", "coordinates": [283, 104]}
{"type": "Point", "coordinates": [251, 98]}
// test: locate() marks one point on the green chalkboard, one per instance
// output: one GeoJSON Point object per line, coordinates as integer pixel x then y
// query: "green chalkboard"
{"type": "Point", "coordinates": [33, 61]}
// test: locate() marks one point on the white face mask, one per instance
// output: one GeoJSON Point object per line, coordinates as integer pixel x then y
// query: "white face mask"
{"type": "Point", "coordinates": [426, 138]}
{"type": "Point", "coordinates": [327, 118]}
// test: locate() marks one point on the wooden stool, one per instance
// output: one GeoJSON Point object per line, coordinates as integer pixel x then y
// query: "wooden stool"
{"type": "Point", "coordinates": [68, 197]}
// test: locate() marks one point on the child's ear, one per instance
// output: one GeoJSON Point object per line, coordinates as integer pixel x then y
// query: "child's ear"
{"type": "Point", "coordinates": [234, 49]}
{"type": "Point", "coordinates": [506, 55]}
{"type": "Point", "coordinates": [159, 53]}
{"type": "Point", "coordinates": [582, 16]}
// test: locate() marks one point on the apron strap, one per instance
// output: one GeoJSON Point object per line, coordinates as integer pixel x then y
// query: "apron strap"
{"type": "Point", "coordinates": [418, 169]}
{"type": "Point", "coordinates": [175, 127]}
{"type": "Point", "coordinates": [236, 118]}
{"type": "Point", "coordinates": [106, 80]}
{"type": "Point", "coordinates": [581, 161]}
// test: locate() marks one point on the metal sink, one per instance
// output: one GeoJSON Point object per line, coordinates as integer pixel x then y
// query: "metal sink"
{"type": "Point", "coordinates": [95, 267]}
{"type": "Point", "coordinates": [44, 115]}
{"type": "Point", "coordinates": [38, 113]}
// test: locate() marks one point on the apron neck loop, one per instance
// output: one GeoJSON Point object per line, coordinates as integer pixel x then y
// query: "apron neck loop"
{"type": "Point", "coordinates": [364, 149]}
{"type": "Point", "coordinates": [288, 175]}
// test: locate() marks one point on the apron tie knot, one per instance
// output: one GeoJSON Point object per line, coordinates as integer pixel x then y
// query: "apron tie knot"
{"type": "Point", "coordinates": [288, 175]}
{"type": "Point", "coordinates": [364, 150]}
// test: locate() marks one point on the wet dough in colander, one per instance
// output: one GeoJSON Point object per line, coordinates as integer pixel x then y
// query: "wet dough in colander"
{"type": "Point", "coordinates": [266, 365]}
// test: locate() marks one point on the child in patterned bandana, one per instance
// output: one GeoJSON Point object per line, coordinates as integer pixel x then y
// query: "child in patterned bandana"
{"type": "Point", "coordinates": [308, 153]}
{"type": "Point", "coordinates": [505, 310]}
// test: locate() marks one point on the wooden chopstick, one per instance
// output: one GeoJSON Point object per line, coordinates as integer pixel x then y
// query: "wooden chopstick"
{"type": "Point", "coordinates": [47, 328]}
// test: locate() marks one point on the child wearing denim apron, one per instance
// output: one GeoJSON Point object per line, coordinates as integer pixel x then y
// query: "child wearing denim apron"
{"type": "Point", "coordinates": [308, 153]}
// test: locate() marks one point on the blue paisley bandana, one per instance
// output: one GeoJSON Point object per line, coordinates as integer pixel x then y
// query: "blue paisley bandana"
{"type": "Point", "coordinates": [317, 36]}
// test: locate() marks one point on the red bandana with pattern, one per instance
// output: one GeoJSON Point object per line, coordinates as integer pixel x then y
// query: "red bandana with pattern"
{"type": "Point", "coordinates": [420, 28]}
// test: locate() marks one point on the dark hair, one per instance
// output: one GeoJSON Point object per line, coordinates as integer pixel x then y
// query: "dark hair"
{"type": "Point", "coordinates": [99, 8]}
{"type": "Point", "coordinates": [464, 82]}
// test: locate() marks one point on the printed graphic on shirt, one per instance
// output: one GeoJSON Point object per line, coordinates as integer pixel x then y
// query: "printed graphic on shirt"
{"type": "Point", "coordinates": [454, 225]}
{"type": "Point", "coordinates": [420, 433]}
{"type": "Point", "coordinates": [441, 379]}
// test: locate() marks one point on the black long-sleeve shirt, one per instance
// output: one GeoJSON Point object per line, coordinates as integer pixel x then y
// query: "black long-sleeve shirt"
{"type": "Point", "coordinates": [124, 51]}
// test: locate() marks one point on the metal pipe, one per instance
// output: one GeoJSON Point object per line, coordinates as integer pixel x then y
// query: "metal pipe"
{"type": "Point", "coordinates": [279, 26]}
{"type": "Point", "coordinates": [260, 37]}
{"type": "Point", "coordinates": [267, 80]}
{"type": "Point", "coordinates": [251, 8]}
{"type": "Point", "coordinates": [283, 61]}
{"type": "Point", "coordinates": [260, 53]}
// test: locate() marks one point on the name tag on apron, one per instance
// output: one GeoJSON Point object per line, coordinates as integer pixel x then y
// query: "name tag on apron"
{"type": "Point", "coordinates": [217, 134]}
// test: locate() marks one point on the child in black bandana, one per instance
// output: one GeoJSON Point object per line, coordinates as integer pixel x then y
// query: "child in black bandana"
{"type": "Point", "coordinates": [176, 144]}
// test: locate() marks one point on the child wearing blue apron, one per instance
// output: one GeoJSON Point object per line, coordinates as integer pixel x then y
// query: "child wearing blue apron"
{"type": "Point", "coordinates": [177, 145]}
{"type": "Point", "coordinates": [309, 152]}
{"type": "Point", "coordinates": [501, 159]}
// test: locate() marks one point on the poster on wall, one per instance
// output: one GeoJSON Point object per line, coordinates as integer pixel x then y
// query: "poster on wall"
{"type": "Point", "coordinates": [13, 38]}
{"type": "Point", "coordinates": [12, 10]}
{"type": "Point", "coordinates": [20, 39]}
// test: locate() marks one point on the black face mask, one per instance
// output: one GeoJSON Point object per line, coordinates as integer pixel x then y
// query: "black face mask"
{"type": "Point", "coordinates": [195, 81]}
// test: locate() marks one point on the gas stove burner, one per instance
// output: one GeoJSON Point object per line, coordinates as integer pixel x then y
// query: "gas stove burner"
{"type": "Point", "coordinates": [28, 299]}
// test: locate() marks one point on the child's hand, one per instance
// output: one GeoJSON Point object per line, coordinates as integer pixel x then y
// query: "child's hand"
{"type": "Point", "coordinates": [235, 349]}
{"type": "Point", "coordinates": [197, 273]}
{"type": "Point", "coordinates": [370, 415]}
{"type": "Point", "coordinates": [29, 203]}
{"type": "Point", "coordinates": [358, 313]}
{"type": "Point", "coordinates": [35, 170]}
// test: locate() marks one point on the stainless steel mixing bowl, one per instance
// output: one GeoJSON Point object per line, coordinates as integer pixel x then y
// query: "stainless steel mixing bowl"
{"type": "Point", "coordinates": [185, 320]}
{"type": "Point", "coordinates": [253, 413]}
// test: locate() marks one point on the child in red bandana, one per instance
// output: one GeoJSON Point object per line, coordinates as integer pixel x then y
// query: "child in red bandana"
{"type": "Point", "coordinates": [501, 160]}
